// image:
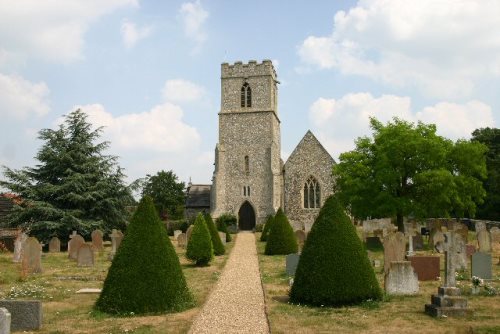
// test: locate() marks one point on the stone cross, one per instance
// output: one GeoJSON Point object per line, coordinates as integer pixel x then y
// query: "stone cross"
{"type": "Point", "coordinates": [410, 232]}
{"type": "Point", "coordinates": [450, 246]}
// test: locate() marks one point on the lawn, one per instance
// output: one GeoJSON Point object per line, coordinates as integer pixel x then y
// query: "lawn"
{"type": "Point", "coordinates": [64, 311]}
{"type": "Point", "coordinates": [393, 315]}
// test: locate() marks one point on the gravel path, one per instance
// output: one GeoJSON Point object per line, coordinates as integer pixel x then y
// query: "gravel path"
{"type": "Point", "coordinates": [237, 303]}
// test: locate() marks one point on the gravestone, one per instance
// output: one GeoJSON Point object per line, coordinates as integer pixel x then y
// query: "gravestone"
{"type": "Point", "coordinates": [394, 249]}
{"type": "Point", "coordinates": [301, 238]}
{"type": "Point", "coordinates": [460, 255]}
{"type": "Point", "coordinates": [85, 256]}
{"type": "Point", "coordinates": [484, 241]}
{"type": "Point", "coordinates": [495, 235]}
{"type": "Point", "coordinates": [463, 230]}
{"type": "Point", "coordinates": [54, 245]}
{"type": "Point", "coordinates": [116, 239]}
{"type": "Point", "coordinates": [222, 236]}
{"type": "Point", "coordinates": [182, 240]}
{"type": "Point", "coordinates": [435, 237]}
{"type": "Point", "coordinates": [401, 279]}
{"type": "Point", "coordinates": [410, 233]}
{"type": "Point", "coordinates": [481, 265]}
{"type": "Point", "coordinates": [18, 247]}
{"type": "Point", "coordinates": [73, 245]}
{"type": "Point", "coordinates": [426, 267]}
{"type": "Point", "coordinates": [470, 249]}
{"type": "Point", "coordinates": [479, 225]}
{"type": "Point", "coordinates": [25, 315]}
{"type": "Point", "coordinates": [97, 240]}
{"type": "Point", "coordinates": [4, 321]}
{"type": "Point", "coordinates": [384, 225]}
{"type": "Point", "coordinates": [292, 260]}
{"type": "Point", "coordinates": [176, 233]}
{"type": "Point", "coordinates": [32, 256]}
{"type": "Point", "coordinates": [188, 233]}
{"type": "Point", "coordinates": [373, 243]}
{"type": "Point", "coordinates": [418, 242]}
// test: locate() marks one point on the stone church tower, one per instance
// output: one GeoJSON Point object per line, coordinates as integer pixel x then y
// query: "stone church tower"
{"type": "Point", "coordinates": [248, 177]}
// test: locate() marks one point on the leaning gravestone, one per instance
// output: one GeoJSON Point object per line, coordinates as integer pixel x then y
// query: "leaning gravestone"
{"type": "Point", "coordinates": [97, 240]}
{"type": "Point", "coordinates": [4, 321]}
{"type": "Point", "coordinates": [182, 240]}
{"type": "Point", "coordinates": [176, 233]}
{"type": "Point", "coordinates": [85, 256]}
{"type": "Point", "coordinates": [394, 249]}
{"type": "Point", "coordinates": [73, 245]}
{"type": "Point", "coordinates": [484, 241]}
{"type": "Point", "coordinates": [54, 245]}
{"type": "Point", "coordinates": [401, 279]}
{"type": "Point", "coordinates": [481, 265]}
{"type": "Point", "coordinates": [32, 256]}
{"type": "Point", "coordinates": [18, 246]}
{"type": "Point", "coordinates": [292, 260]}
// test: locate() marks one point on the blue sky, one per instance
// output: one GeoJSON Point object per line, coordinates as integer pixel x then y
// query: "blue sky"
{"type": "Point", "coordinates": [149, 71]}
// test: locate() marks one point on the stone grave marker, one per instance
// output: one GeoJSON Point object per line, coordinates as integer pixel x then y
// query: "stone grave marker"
{"type": "Point", "coordinates": [4, 321]}
{"type": "Point", "coordinates": [410, 233]}
{"type": "Point", "coordinates": [495, 234]}
{"type": "Point", "coordinates": [54, 245]}
{"type": "Point", "coordinates": [418, 242]}
{"type": "Point", "coordinates": [463, 230]}
{"type": "Point", "coordinates": [26, 315]}
{"type": "Point", "coordinates": [301, 238]}
{"type": "Point", "coordinates": [182, 240]}
{"type": "Point", "coordinates": [426, 267]}
{"type": "Point", "coordinates": [97, 241]}
{"type": "Point", "coordinates": [401, 279]}
{"type": "Point", "coordinates": [394, 249]}
{"type": "Point", "coordinates": [292, 260]}
{"type": "Point", "coordinates": [188, 233]}
{"type": "Point", "coordinates": [222, 236]}
{"type": "Point", "coordinates": [435, 237]}
{"type": "Point", "coordinates": [373, 243]}
{"type": "Point", "coordinates": [479, 225]}
{"type": "Point", "coordinates": [73, 245]}
{"type": "Point", "coordinates": [470, 249]}
{"type": "Point", "coordinates": [32, 256]}
{"type": "Point", "coordinates": [85, 255]}
{"type": "Point", "coordinates": [484, 241]}
{"type": "Point", "coordinates": [460, 255]}
{"type": "Point", "coordinates": [481, 265]}
{"type": "Point", "coordinates": [18, 247]}
{"type": "Point", "coordinates": [176, 233]}
{"type": "Point", "coordinates": [116, 239]}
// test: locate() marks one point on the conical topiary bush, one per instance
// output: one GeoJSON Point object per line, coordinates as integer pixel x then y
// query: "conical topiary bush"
{"type": "Point", "coordinates": [281, 240]}
{"type": "Point", "coordinates": [222, 227]}
{"type": "Point", "coordinates": [145, 276]}
{"type": "Point", "coordinates": [214, 235]}
{"type": "Point", "coordinates": [199, 247]}
{"type": "Point", "coordinates": [267, 228]}
{"type": "Point", "coordinates": [334, 268]}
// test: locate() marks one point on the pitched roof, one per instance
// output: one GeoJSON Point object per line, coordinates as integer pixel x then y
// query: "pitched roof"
{"type": "Point", "coordinates": [198, 196]}
{"type": "Point", "coordinates": [314, 140]}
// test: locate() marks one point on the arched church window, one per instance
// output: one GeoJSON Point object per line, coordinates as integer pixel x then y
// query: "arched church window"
{"type": "Point", "coordinates": [312, 194]}
{"type": "Point", "coordinates": [247, 165]}
{"type": "Point", "coordinates": [246, 95]}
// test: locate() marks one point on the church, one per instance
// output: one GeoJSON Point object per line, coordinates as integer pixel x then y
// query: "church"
{"type": "Point", "coordinates": [250, 180]}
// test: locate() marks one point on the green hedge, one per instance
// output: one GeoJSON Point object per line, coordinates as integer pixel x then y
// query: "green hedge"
{"type": "Point", "coordinates": [145, 276]}
{"type": "Point", "coordinates": [334, 268]}
{"type": "Point", "coordinates": [267, 228]}
{"type": "Point", "coordinates": [281, 239]}
{"type": "Point", "coordinates": [199, 247]}
{"type": "Point", "coordinates": [214, 234]}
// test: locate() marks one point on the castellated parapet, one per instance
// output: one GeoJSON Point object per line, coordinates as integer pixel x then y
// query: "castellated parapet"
{"type": "Point", "coordinates": [238, 69]}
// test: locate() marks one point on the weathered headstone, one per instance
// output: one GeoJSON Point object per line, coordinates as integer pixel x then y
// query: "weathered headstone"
{"type": "Point", "coordinates": [470, 249]}
{"type": "Point", "coordinates": [116, 239]}
{"type": "Point", "coordinates": [495, 235]}
{"type": "Point", "coordinates": [481, 265]}
{"type": "Point", "coordinates": [426, 267]}
{"type": "Point", "coordinates": [85, 256]}
{"type": "Point", "coordinates": [383, 224]}
{"type": "Point", "coordinates": [25, 314]}
{"type": "Point", "coordinates": [222, 236]}
{"type": "Point", "coordinates": [97, 241]}
{"type": "Point", "coordinates": [435, 237]}
{"type": "Point", "coordinates": [54, 245]}
{"type": "Point", "coordinates": [418, 242]}
{"type": "Point", "coordinates": [32, 256]}
{"type": "Point", "coordinates": [292, 260]}
{"type": "Point", "coordinates": [401, 279]}
{"type": "Point", "coordinates": [18, 246]}
{"type": "Point", "coordinates": [5, 319]}
{"type": "Point", "coordinates": [301, 238]}
{"type": "Point", "coordinates": [484, 241]}
{"type": "Point", "coordinates": [73, 245]}
{"type": "Point", "coordinates": [460, 255]}
{"type": "Point", "coordinates": [176, 233]}
{"type": "Point", "coordinates": [182, 240]}
{"type": "Point", "coordinates": [463, 230]}
{"type": "Point", "coordinates": [188, 232]}
{"type": "Point", "coordinates": [394, 249]}
{"type": "Point", "coordinates": [479, 225]}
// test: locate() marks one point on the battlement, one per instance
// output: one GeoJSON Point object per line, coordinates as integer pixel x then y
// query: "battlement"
{"type": "Point", "coordinates": [238, 69]}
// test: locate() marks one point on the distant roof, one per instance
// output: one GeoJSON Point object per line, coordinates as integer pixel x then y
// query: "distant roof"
{"type": "Point", "coordinates": [198, 196]}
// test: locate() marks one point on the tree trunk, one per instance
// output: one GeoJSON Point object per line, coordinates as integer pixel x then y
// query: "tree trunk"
{"type": "Point", "coordinates": [399, 222]}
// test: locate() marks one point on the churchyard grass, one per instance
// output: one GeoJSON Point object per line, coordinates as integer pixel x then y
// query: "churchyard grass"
{"type": "Point", "coordinates": [395, 314]}
{"type": "Point", "coordinates": [64, 311]}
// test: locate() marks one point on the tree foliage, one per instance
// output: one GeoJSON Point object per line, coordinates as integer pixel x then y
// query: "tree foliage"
{"type": "Point", "coordinates": [167, 193]}
{"type": "Point", "coordinates": [146, 275]}
{"type": "Point", "coordinates": [281, 240]}
{"type": "Point", "coordinates": [75, 186]}
{"type": "Point", "coordinates": [407, 169]}
{"type": "Point", "coordinates": [267, 228]}
{"type": "Point", "coordinates": [199, 247]}
{"type": "Point", "coordinates": [217, 244]}
{"type": "Point", "coordinates": [490, 209]}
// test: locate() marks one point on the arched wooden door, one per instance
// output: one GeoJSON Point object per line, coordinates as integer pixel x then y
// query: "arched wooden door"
{"type": "Point", "coordinates": [246, 217]}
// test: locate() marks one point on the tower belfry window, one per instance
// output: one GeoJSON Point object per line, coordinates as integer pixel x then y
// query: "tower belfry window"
{"type": "Point", "coordinates": [246, 96]}
{"type": "Point", "coordinates": [312, 194]}
{"type": "Point", "coordinates": [247, 165]}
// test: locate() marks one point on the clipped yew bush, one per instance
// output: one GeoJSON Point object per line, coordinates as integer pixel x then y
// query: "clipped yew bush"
{"type": "Point", "coordinates": [334, 269]}
{"type": "Point", "coordinates": [267, 228]}
{"type": "Point", "coordinates": [281, 240]}
{"type": "Point", "coordinates": [199, 247]}
{"type": "Point", "coordinates": [222, 226]}
{"type": "Point", "coordinates": [145, 276]}
{"type": "Point", "coordinates": [217, 244]}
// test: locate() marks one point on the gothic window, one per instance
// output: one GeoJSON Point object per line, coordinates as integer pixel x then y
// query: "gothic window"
{"type": "Point", "coordinates": [247, 165]}
{"type": "Point", "coordinates": [312, 194]}
{"type": "Point", "coordinates": [246, 95]}
{"type": "Point", "coordinates": [246, 191]}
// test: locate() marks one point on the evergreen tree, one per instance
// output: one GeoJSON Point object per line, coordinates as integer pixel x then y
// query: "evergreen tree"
{"type": "Point", "coordinates": [281, 239]}
{"type": "Point", "coordinates": [217, 244]}
{"type": "Point", "coordinates": [199, 247]}
{"type": "Point", "coordinates": [75, 186]}
{"type": "Point", "coordinates": [334, 269]}
{"type": "Point", "coordinates": [146, 275]}
{"type": "Point", "coordinates": [267, 228]}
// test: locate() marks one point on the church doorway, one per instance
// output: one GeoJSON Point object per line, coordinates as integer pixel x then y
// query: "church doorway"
{"type": "Point", "coordinates": [246, 217]}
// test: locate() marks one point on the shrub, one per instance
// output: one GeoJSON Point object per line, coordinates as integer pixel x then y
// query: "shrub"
{"type": "Point", "coordinates": [228, 219]}
{"type": "Point", "coordinates": [259, 227]}
{"type": "Point", "coordinates": [281, 239]}
{"type": "Point", "coordinates": [199, 247]}
{"type": "Point", "coordinates": [145, 276]}
{"type": "Point", "coordinates": [221, 226]}
{"type": "Point", "coordinates": [214, 235]}
{"type": "Point", "coordinates": [177, 225]}
{"type": "Point", "coordinates": [267, 228]}
{"type": "Point", "coordinates": [334, 268]}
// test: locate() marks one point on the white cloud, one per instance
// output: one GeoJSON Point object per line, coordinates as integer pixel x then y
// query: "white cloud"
{"type": "Point", "coordinates": [444, 48]}
{"type": "Point", "coordinates": [339, 122]}
{"type": "Point", "coordinates": [20, 98]}
{"type": "Point", "coordinates": [51, 30]}
{"type": "Point", "coordinates": [131, 34]}
{"type": "Point", "coordinates": [179, 90]}
{"type": "Point", "coordinates": [193, 17]}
